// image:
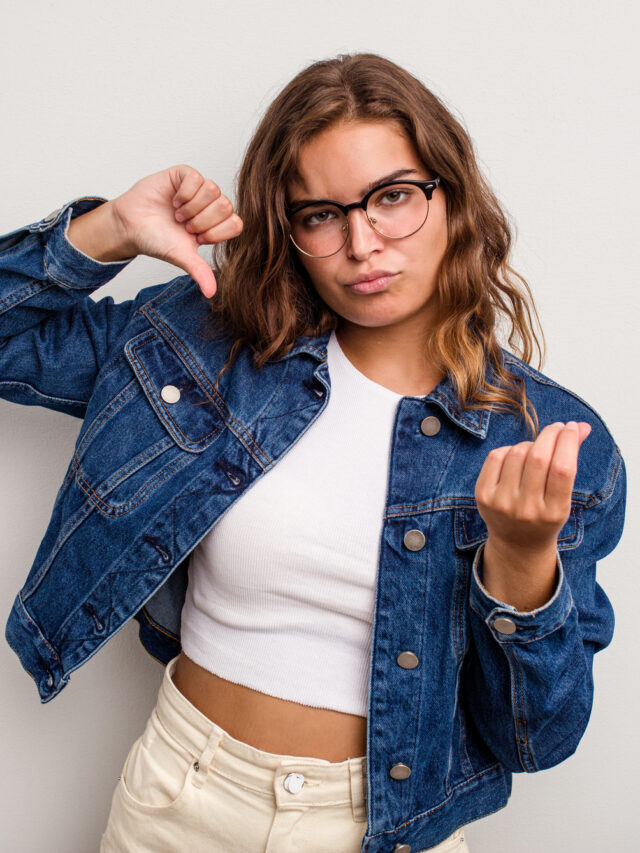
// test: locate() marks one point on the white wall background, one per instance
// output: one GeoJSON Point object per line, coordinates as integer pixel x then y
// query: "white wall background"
{"type": "Point", "coordinates": [97, 95]}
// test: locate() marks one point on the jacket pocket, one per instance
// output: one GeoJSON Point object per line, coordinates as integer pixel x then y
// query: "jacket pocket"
{"type": "Point", "coordinates": [141, 431]}
{"type": "Point", "coordinates": [471, 531]}
{"type": "Point", "coordinates": [190, 412]}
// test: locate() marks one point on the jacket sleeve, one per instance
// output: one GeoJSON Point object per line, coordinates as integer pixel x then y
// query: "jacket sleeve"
{"type": "Point", "coordinates": [53, 337]}
{"type": "Point", "coordinates": [530, 691]}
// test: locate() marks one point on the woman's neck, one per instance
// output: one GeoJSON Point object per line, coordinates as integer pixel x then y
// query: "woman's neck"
{"type": "Point", "coordinates": [391, 357]}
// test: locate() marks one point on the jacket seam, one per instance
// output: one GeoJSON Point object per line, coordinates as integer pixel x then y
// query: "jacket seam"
{"type": "Point", "coordinates": [443, 803]}
{"type": "Point", "coordinates": [519, 718]}
{"type": "Point", "coordinates": [104, 415]}
{"type": "Point", "coordinates": [157, 627]}
{"type": "Point", "coordinates": [10, 383]}
{"type": "Point", "coordinates": [37, 629]}
{"type": "Point", "coordinates": [524, 642]}
{"type": "Point", "coordinates": [74, 521]}
{"type": "Point", "coordinates": [117, 510]}
{"type": "Point", "coordinates": [22, 294]}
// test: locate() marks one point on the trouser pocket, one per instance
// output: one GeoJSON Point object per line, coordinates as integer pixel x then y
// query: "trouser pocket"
{"type": "Point", "coordinates": [157, 770]}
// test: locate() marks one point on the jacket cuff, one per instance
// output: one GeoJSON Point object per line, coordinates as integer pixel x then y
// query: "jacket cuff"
{"type": "Point", "coordinates": [65, 263]}
{"type": "Point", "coordinates": [509, 625]}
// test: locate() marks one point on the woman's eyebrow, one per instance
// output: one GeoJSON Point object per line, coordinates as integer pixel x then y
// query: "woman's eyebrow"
{"type": "Point", "coordinates": [399, 173]}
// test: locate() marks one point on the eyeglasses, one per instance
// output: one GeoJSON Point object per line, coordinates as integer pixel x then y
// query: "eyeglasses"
{"type": "Point", "coordinates": [396, 209]}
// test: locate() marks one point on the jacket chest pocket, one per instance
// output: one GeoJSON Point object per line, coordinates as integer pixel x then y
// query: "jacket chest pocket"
{"type": "Point", "coordinates": [146, 432]}
{"type": "Point", "coordinates": [471, 531]}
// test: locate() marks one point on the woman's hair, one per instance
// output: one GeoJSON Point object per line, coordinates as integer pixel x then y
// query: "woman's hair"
{"type": "Point", "coordinates": [265, 298]}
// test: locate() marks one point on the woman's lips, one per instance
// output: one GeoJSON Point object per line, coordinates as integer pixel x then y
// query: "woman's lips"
{"type": "Point", "coordinates": [372, 285]}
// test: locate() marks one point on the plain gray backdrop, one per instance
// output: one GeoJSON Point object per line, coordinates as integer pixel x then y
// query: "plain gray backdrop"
{"type": "Point", "coordinates": [97, 95]}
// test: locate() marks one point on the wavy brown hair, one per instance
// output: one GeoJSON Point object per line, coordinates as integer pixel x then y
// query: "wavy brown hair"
{"type": "Point", "coordinates": [265, 299]}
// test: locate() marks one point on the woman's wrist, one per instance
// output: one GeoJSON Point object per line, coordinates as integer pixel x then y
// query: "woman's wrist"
{"type": "Point", "coordinates": [524, 578]}
{"type": "Point", "coordinates": [98, 234]}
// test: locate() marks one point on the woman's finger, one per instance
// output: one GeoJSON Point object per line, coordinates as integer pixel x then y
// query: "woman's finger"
{"type": "Point", "coordinates": [207, 193]}
{"type": "Point", "coordinates": [511, 473]}
{"type": "Point", "coordinates": [212, 215]}
{"type": "Point", "coordinates": [563, 467]}
{"type": "Point", "coordinates": [187, 182]}
{"type": "Point", "coordinates": [231, 227]}
{"type": "Point", "coordinates": [489, 475]}
{"type": "Point", "coordinates": [536, 467]}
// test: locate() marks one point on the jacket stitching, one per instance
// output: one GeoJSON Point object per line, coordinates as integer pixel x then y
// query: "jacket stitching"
{"type": "Point", "coordinates": [443, 803]}
{"type": "Point", "coordinates": [157, 627]}
{"type": "Point", "coordinates": [66, 284]}
{"type": "Point", "coordinates": [131, 467]}
{"type": "Point", "coordinates": [39, 632]}
{"type": "Point", "coordinates": [116, 510]}
{"type": "Point", "coordinates": [112, 407]}
{"type": "Point", "coordinates": [205, 385]}
{"type": "Point", "coordinates": [465, 761]}
{"type": "Point", "coordinates": [523, 746]}
{"type": "Point", "coordinates": [22, 294]}
{"type": "Point", "coordinates": [163, 410]}
{"type": "Point", "coordinates": [76, 519]}
{"type": "Point", "coordinates": [40, 394]}
{"type": "Point", "coordinates": [209, 390]}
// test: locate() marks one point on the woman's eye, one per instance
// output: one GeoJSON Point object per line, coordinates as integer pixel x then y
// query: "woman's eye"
{"type": "Point", "coordinates": [394, 196]}
{"type": "Point", "coordinates": [319, 217]}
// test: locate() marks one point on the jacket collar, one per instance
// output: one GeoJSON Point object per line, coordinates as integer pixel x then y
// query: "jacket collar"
{"type": "Point", "coordinates": [474, 421]}
{"type": "Point", "coordinates": [181, 307]}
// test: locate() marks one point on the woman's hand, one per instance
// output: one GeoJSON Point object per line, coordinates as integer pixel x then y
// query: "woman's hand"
{"type": "Point", "coordinates": [523, 494]}
{"type": "Point", "coordinates": [166, 215]}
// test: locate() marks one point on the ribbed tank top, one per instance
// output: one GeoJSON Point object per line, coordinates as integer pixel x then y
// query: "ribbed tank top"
{"type": "Point", "coordinates": [281, 590]}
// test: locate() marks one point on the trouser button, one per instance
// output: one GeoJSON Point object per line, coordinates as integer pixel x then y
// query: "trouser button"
{"type": "Point", "coordinates": [293, 782]}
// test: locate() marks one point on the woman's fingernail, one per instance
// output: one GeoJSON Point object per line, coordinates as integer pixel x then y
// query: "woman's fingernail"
{"type": "Point", "coordinates": [180, 217]}
{"type": "Point", "coordinates": [572, 425]}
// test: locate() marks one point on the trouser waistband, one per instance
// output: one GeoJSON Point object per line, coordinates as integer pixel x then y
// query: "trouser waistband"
{"type": "Point", "coordinates": [324, 783]}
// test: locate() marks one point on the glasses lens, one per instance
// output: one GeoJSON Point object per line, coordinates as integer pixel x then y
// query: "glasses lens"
{"type": "Point", "coordinates": [398, 210]}
{"type": "Point", "coordinates": [319, 230]}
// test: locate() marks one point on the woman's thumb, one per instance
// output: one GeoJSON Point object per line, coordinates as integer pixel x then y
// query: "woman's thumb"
{"type": "Point", "coordinates": [201, 273]}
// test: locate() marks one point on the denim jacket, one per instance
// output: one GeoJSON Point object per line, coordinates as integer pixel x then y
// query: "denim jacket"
{"type": "Point", "coordinates": [463, 688]}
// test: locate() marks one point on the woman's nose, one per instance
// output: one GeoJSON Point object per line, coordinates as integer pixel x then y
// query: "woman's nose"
{"type": "Point", "coordinates": [362, 239]}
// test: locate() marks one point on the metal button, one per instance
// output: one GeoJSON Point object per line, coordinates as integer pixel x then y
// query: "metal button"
{"type": "Point", "coordinates": [430, 425]}
{"type": "Point", "coordinates": [52, 215]}
{"type": "Point", "coordinates": [414, 540]}
{"type": "Point", "coordinates": [170, 394]}
{"type": "Point", "coordinates": [402, 848]}
{"type": "Point", "coordinates": [407, 660]}
{"type": "Point", "coordinates": [400, 771]}
{"type": "Point", "coordinates": [504, 625]}
{"type": "Point", "coordinates": [293, 782]}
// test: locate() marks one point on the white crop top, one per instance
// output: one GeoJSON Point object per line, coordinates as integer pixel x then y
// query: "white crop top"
{"type": "Point", "coordinates": [281, 590]}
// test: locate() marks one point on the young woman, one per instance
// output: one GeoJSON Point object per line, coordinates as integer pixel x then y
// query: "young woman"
{"type": "Point", "coordinates": [360, 534]}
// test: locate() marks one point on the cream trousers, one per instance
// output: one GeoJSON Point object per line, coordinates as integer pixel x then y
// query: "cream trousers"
{"type": "Point", "coordinates": [187, 785]}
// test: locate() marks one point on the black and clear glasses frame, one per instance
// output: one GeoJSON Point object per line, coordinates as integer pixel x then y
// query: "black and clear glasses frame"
{"type": "Point", "coordinates": [427, 188]}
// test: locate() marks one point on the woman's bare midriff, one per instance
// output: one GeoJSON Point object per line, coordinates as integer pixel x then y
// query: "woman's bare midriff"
{"type": "Point", "coordinates": [269, 723]}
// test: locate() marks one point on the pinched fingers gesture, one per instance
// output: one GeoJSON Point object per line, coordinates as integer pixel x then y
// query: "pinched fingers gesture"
{"type": "Point", "coordinates": [523, 492]}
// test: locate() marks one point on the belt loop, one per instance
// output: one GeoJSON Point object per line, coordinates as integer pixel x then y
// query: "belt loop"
{"type": "Point", "coordinates": [203, 763]}
{"type": "Point", "coordinates": [358, 789]}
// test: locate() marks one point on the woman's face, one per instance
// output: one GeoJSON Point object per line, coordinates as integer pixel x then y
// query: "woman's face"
{"type": "Point", "coordinates": [339, 164]}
